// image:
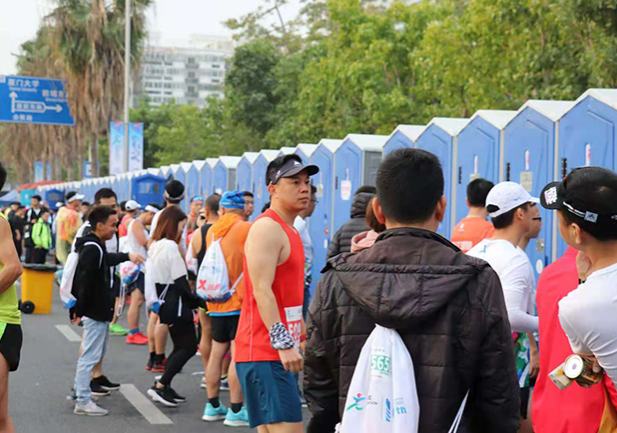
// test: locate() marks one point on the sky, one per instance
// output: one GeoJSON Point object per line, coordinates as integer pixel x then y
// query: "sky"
{"type": "Point", "coordinates": [174, 20]}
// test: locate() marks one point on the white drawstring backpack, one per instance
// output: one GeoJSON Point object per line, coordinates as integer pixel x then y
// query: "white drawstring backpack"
{"type": "Point", "coordinates": [382, 395]}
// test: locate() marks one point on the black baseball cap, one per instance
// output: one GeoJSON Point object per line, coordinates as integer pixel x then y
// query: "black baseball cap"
{"type": "Point", "coordinates": [291, 167]}
{"type": "Point", "coordinates": [585, 194]}
{"type": "Point", "coordinates": [174, 190]}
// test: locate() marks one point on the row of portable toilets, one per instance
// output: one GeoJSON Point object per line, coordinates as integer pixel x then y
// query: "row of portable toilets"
{"type": "Point", "coordinates": [535, 145]}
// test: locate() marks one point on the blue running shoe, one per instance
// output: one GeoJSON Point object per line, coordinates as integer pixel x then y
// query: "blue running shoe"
{"type": "Point", "coordinates": [240, 419]}
{"type": "Point", "coordinates": [214, 414]}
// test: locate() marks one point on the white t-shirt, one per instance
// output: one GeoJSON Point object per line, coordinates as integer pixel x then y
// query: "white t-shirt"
{"type": "Point", "coordinates": [165, 264]}
{"type": "Point", "coordinates": [588, 315]}
{"type": "Point", "coordinates": [307, 243]}
{"type": "Point", "coordinates": [517, 281]}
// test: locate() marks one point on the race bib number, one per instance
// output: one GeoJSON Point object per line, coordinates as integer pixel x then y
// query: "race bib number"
{"type": "Point", "coordinates": [294, 323]}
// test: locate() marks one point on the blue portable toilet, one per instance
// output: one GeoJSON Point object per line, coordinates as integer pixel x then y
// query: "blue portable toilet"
{"type": "Point", "coordinates": [477, 155]}
{"type": "Point", "coordinates": [528, 158]}
{"type": "Point", "coordinates": [205, 176]}
{"type": "Point", "coordinates": [304, 151]}
{"type": "Point", "coordinates": [440, 138]}
{"type": "Point", "coordinates": [244, 172]}
{"type": "Point", "coordinates": [403, 136]}
{"type": "Point", "coordinates": [155, 172]}
{"type": "Point", "coordinates": [53, 195]}
{"type": "Point", "coordinates": [356, 163]}
{"type": "Point", "coordinates": [192, 179]}
{"type": "Point", "coordinates": [225, 170]}
{"type": "Point", "coordinates": [320, 223]}
{"type": "Point", "coordinates": [166, 171]}
{"type": "Point", "coordinates": [262, 196]}
{"type": "Point", "coordinates": [287, 151]}
{"type": "Point", "coordinates": [115, 185]}
{"type": "Point", "coordinates": [180, 175]}
{"type": "Point", "coordinates": [148, 188]}
{"type": "Point", "coordinates": [587, 136]}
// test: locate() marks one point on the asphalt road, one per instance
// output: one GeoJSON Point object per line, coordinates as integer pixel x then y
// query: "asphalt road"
{"type": "Point", "coordinates": [38, 390]}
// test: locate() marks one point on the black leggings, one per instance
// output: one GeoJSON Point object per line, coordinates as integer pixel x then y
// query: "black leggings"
{"type": "Point", "coordinates": [185, 346]}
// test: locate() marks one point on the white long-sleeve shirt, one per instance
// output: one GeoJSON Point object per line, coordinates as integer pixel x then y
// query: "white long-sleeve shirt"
{"type": "Point", "coordinates": [517, 280]}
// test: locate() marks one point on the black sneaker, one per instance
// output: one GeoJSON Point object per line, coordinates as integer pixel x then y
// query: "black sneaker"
{"type": "Point", "coordinates": [106, 384]}
{"type": "Point", "coordinates": [177, 397]}
{"type": "Point", "coordinates": [97, 389]}
{"type": "Point", "coordinates": [150, 364]}
{"type": "Point", "coordinates": [163, 396]}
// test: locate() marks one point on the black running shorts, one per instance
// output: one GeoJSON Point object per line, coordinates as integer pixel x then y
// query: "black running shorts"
{"type": "Point", "coordinates": [11, 339]}
{"type": "Point", "coordinates": [224, 328]}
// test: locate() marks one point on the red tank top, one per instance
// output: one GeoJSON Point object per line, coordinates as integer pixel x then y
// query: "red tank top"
{"type": "Point", "coordinates": [253, 339]}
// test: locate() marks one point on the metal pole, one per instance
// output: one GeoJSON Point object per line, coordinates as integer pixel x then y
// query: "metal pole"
{"type": "Point", "coordinates": [127, 81]}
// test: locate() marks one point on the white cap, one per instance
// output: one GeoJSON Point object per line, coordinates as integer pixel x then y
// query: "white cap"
{"type": "Point", "coordinates": [507, 196]}
{"type": "Point", "coordinates": [76, 197]}
{"type": "Point", "coordinates": [132, 205]}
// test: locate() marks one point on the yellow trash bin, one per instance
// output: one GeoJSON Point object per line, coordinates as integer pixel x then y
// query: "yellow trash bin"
{"type": "Point", "coordinates": [37, 287]}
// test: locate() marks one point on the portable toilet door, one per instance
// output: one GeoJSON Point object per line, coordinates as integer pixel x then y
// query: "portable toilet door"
{"type": "Point", "coordinates": [403, 136]}
{"type": "Point", "coordinates": [191, 174]}
{"type": "Point", "coordinates": [180, 176]}
{"type": "Point", "coordinates": [528, 157]}
{"type": "Point", "coordinates": [440, 138]}
{"type": "Point", "coordinates": [479, 143]}
{"type": "Point", "coordinates": [320, 223]}
{"type": "Point", "coordinates": [587, 136]}
{"type": "Point", "coordinates": [53, 196]}
{"type": "Point", "coordinates": [199, 165]}
{"type": "Point", "coordinates": [148, 188]}
{"type": "Point", "coordinates": [287, 151]}
{"type": "Point", "coordinates": [356, 163]}
{"type": "Point", "coordinates": [260, 166]}
{"type": "Point", "coordinates": [244, 172]}
{"type": "Point", "coordinates": [205, 176]}
{"type": "Point", "coordinates": [166, 171]}
{"type": "Point", "coordinates": [304, 151]}
{"type": "Point", "coordinates": [225, 170]}
{"type": "Point", "coordinates": [125, 185]}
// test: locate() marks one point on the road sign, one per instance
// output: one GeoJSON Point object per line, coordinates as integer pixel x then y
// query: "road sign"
{"type": "Point", "coordinates": [87, 170]}
{"type": "Point", "coordinates": [34, 100]}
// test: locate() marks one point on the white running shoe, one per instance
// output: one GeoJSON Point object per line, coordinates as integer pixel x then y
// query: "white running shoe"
{"type": "Point", "coordinates": [90, 409]}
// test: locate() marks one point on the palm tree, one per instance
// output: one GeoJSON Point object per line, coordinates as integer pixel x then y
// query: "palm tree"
{"type": "Point", "coordinates": [81, 41]}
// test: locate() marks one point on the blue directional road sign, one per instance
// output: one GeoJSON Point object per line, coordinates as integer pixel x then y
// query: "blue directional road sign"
{"type": "Point", "coordinates": [34, 100]}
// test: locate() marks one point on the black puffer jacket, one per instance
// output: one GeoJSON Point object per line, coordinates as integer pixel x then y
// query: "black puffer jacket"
{"type": "Point", "coordinates": [341, 242]}
{"type": "Point", "coordinates": [450, 312]}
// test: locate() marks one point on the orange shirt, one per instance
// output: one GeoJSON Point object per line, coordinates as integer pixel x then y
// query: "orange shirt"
{"type": "Point", "coordinates": [234, 232]}
{"type": "Point", "coordinates": [470, 232]}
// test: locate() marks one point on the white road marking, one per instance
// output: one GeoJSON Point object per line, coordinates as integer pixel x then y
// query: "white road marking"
{"type": "Point", "coordinates": [68, 332]}
{"type": "Point", "coordinates": [143, 405]}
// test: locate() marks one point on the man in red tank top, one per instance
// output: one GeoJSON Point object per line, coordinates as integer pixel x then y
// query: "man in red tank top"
{"type": "Point", "coordinates": [271, 329]}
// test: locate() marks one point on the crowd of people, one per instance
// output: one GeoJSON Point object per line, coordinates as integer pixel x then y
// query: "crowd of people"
{"type": "Point", "coordinates": [468, 310]}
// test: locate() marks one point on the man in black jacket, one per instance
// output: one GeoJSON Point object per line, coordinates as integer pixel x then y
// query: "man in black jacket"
{"type": "Point", "coordinates": [341, 242]}
{"type": "Point", "coordinates": [92, 289]}
{"type": "Point", "coordinates": [447, 307]}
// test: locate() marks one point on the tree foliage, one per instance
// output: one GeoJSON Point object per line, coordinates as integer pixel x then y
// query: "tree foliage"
{"type": "Point", "coordinates": [356, 66]}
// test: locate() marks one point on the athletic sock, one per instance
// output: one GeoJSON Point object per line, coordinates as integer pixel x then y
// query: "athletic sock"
{"type": "Point", "coordinates": [152, 356]}
{"type": "Point", "coordinates": [214, 402]}
{"type": "Point", "coordinates": [159, 358]}
{"type": "Point", "coordinates": [133, 331]}
{"type": "Point", "coordinates": [236, 407]}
